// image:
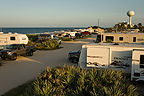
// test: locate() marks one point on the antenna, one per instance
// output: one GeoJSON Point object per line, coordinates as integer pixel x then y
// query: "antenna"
{"type": "Point", "coordinates": [98, 22]}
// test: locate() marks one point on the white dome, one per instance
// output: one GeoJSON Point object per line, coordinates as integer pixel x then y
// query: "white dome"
{"type": "Point", "coordinates": [130, 13]}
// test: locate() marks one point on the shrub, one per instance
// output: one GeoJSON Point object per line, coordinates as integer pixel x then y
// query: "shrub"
{"type": "Point", "coordinates": [109, 41]}
{"type": "Point", "coordinates": [47, 44]}
{"type": "Point", "coordinates": [84, 36]}
{"type": "Point", "coordinates": [66, 39]}
{"type": "Point", "coordinates": [33, 37]}
{"type": "Point", "coordinates": [30, 43]}
{"type": "Point", "coordinates": [72, 81]}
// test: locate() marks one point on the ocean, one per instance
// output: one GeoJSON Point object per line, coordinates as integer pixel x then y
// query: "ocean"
{"type": "Point", "coordinates": [35, 30]}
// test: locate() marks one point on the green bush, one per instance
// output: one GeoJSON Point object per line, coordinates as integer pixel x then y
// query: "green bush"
{"type": "Point", "coordinates": [47, 44]}
{"type": "Point", "coordinates": [73, 81]}
{"type": "Point", "coordinates": [66, 39]}
{"type": "Point", "coordinates": [83, 36]}
{"type": "Point", "coordinates": [32, 37]}
{"type": "Point", "coordinates": [109, 41]}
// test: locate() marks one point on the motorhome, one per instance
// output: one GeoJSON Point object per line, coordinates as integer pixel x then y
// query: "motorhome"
{"type": "Point", "coordinates": [126, 57]}
{"type": "Point", "coordinates": [7, 39]}
{"type": "Point", "coordinates": [121, 37]}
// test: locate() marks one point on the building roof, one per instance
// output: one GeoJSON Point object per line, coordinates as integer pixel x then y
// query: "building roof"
{"type": "Point", "coordinates": [125, 33]}
{"type": "Point", "coordinates": [130, 45]}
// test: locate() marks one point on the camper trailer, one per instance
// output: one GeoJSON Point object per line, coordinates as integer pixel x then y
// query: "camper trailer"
{"type": "Point", "coordinates": [7, 39]}
{"type": "Point", "coordinates": [71, 33]}
{"type": "Point", "coordinates": [121, 37]}
{"type": "Point", "coordinates": [126, 57]}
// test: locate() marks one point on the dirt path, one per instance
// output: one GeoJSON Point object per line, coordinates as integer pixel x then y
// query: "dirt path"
{"type": "Point", "coordinates": [15, 73]}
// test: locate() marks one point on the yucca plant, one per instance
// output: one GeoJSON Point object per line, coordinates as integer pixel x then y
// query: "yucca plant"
{"type": "Point", "coordinates": [73, 81]}
{"type": "Point", "coordinates": [48, 44]}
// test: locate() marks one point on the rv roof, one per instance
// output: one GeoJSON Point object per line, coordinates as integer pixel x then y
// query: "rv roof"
{"type": "Point", "coordinates": [125, 33]}
{"type": "Point", "coordinates": [136, 45]}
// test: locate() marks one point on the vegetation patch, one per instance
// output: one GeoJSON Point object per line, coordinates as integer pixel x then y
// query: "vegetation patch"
{"type": "Point", "coordinates": [32, 37]}
{"type": "Point", "coordinates": [109, 41]}
{"type": "Point", "coordinates": [48, 44]}
{"type": "Point", "coordinates": [66, 39]}
{"type": "Point", "coordinates": [45, 44]}
{"type": "Point", "coordinates": [73, 81]}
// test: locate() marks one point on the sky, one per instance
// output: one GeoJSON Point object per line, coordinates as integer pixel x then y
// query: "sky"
{"type": "Point", "coordinates": [68, 13]}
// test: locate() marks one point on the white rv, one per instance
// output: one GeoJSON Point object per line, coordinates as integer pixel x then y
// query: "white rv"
{"type": "Point", "coordinates": [7, 39]}
{"type": "Point", "coordinates": [126, 57]}
{"type": "Point", "coordinates": [71, 33]}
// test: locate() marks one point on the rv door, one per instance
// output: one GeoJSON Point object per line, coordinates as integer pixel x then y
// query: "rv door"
{"type": "Point", "coordinates": [3, 41]}
{"type": "Point", "coordinates": [137, 69]}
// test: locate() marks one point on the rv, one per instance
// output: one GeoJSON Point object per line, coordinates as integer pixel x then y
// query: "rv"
{"type": "Point", "coordinates": [121, 37]}
{"type": "Point", "coordinates": [71, 33]}
{"type": "Point", "coordinates": [7, 39]}
{"type": "Point", "coordinates": [126, 57]}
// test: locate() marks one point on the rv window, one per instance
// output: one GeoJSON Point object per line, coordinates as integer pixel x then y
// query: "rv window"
{"type": "Point", "coordinates": [134, 39]}
{"type": "Point", "coordinates": [121, 38]}
{"type": "Point", "coordinates": [141, 61]}
{"type": "Point", "coordinates": [111, 38]}
{"type": "Point", "coordinates": [12, 38]}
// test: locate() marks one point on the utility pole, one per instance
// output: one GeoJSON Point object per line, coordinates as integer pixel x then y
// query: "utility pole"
{"type": "Point", "coordinates": [100, 32]}
{"type": "Point", "coordinates": [98, 22]}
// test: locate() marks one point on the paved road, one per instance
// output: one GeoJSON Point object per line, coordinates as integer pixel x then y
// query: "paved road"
{"type": "Point", "coordinates": [15, 73]}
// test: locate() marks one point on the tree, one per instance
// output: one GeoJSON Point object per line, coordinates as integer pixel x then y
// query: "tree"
{"type": "Point", "coordinates": [95, 27]}
{"type": "Point", "coordinates": [139, 25]}
{"type": "Point", "coordinates": [123, 26]}
{"type": "Point", "coordinates": [128, 27]}
{"type": "Point", "coordinates": [135, 27]}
